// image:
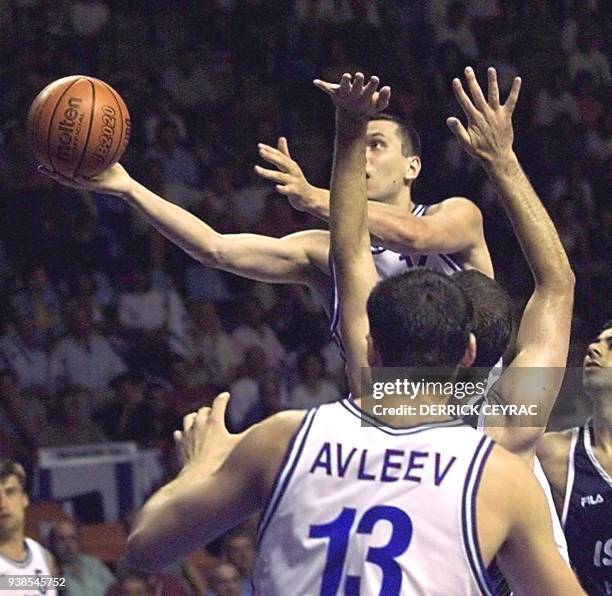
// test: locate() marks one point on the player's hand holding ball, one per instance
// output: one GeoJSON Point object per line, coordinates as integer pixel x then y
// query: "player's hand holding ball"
{"type": "Point", "coordinates": [78, 128]}
{"type": "Point", "coordinates": [205, 441]}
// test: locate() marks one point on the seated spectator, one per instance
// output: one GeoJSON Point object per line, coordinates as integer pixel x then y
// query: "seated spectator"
{"type": "Point", "coordinates": [134, 583]}
{"type": "Point", "coordinates": [457, 29]}
{"type": "Point", "coordinates": [213, 351]}
{"type": "Point", "coordinates": [85, 575]}
{"type": "Point", "coordinates": [21, 349]}
{"type": "Point", "coordinates": [179, 163]}
{"type": "Point", "coordinates": [22, 421]}
{"type": "Point", "coordinates": [224, 580]}
{"type": "Point", "coordinates": [127, 417]}
{"type": "Point", "coordinates": [314, 389]}
{"type": "Point", "coordinates": [73, 424]}
{"type": "Point", "coordinates": [255, 331]}
{"type": "Point", "coordinates": [238, 548]}
{"type": "Point", "coordinates": [188, 393]}
{"type": "Point", "coordinates": [154, 321]}
{"type": "Point", "coordinates": [84, 357]}
{"type": "Point", "coordinates": [164, 418]}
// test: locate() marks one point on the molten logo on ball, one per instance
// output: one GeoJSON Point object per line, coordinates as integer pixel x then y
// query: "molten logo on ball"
{"type": "Point", "coordinates": [69, 129]}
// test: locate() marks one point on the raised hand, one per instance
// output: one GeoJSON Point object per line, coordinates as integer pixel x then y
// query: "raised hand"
{"type": "Point", "coordinates": [355, 97]}
{"type": "Point", "coordinates": [489, 134]}
{"type": "Point", "coordinates": [113, 181]}
{"type": "Point", "coordinates": [288, 177]}
{"type": "Point", "coordinates": [205, 440]}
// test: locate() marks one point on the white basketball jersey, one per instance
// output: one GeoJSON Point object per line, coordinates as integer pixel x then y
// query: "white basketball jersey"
{"type": "Point", "coordinates": [389, 263]}
{"type": "Point", "coordinates": [35, 563]}
{"type": "Point", "coordinates": [364, 510]}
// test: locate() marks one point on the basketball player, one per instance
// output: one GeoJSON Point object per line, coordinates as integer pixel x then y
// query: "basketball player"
{"type": "Point", "coordinates": [19, 555]}
{"type": "Point", "coordinates": [324, 498]}
{"type": "Point", "coordinates": [578, 464]}
{"type": "Point", "coordinates": [447, 236]}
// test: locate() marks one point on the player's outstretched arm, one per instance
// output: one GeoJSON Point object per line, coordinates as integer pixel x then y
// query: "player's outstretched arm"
{"type": "Point", "coordinates": [543, 335]}
{"type": "Point", "coordinates": [350, 239]}
{"type": "Point", "coordinates": [225, 478]}
{"type": "Point", "coordinates": [452, 226]}
{"type": "Point", "coordinates": [277, 260]}
{"type": "Point", "coordinates": [528, 556]}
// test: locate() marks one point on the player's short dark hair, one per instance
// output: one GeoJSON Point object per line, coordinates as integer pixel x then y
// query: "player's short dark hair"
{"type": "Point", "coordinates": [492, 320]}
{"type": "Point", "coordinates": [8, 467]}
{"type": "Point", "coordinates": [421, 318]}
{"type": "Point", "coordinates": [607, 325]}
{"type": "Point", "coordinates": [411, 141]}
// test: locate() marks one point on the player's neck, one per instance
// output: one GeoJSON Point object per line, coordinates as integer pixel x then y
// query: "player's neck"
{"type": "Point", "coordinates": [402, 200]}
{"type": "Point", "coordinates": [13, 546]}
{"type": "Point", "coordinates": [602, 423]}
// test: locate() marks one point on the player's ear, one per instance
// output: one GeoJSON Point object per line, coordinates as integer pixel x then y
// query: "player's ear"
{"type": "Point", "coordinates": [373, 354]}
{"type": "Point", "coordinates": [412, 170]}
{"type": "Point", "coordinates": [470, 353]}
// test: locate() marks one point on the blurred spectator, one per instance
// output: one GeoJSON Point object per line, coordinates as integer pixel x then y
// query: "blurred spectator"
{"type": "Point", "coordinates": [22, 421]}
{"type": "Point", "coordinates": [85, 575]}
{"type": "Point", "coordinates": [456, 29]}
{"type": "Point", "coordinates": [553, 99]}
{"type": "Point", "coordinates": [238, 548]}
{"type": "Point", "coordinates": [313, 389]}
{"type": "Point", "coordinates": [164, 420]}
{"type": "Point", "coordinates": [132, 584]}
{"type": "Point", "coordinates": [212, 352]}
{"type": "Point", "coordinates": [73, 424]}
{"type": "Point", "coordinates": [188, 393]}
{"type": "Point", "coordinates": [160, 109]}
{"type": "Point", "coordinates": [588, 56]}
{"type": "Point", "coordinates": [40, 298]}
{"type": "Point", "coordinates": [599, 141]}
{"type": "Point", "coordinates": [178, 163]}
{"type": "Point", "coordinates": [21, 349]}
{"type": "Point", "coordinates": [153, 319]}
{"type": "Point", "coordinates": [127, 417]}
{"type": "Point", "coordinates": [84, 357]}
{"type": "Point", "coordinates": [224, 580]}
{"type": "Point", "coordinates": [254, 331]}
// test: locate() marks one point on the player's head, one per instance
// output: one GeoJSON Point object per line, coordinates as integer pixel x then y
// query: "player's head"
{"type": "Point", "coordinates": [420, 318]}
{"type": "Point", "coordinates": [597, 365]}
{"type": "Point", "coordinates": [393, 157]}
{"type": "Point", "coordinates": [64, 541]}
{"type": "Point", "coordinates": [492, 322]}
{"type": "Point", "coordinates": [13, 498]}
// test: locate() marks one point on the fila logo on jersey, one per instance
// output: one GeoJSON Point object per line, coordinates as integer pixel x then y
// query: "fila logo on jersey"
{"type": "Point", "coordinates": [591, 500]}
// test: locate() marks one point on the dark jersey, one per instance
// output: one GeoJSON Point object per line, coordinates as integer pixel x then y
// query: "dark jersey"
{"type": "Point", "coordinates": [587, 514]}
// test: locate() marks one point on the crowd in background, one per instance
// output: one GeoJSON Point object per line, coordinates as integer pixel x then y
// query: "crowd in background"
{"type": "Point", "coordinates": [109, 332]}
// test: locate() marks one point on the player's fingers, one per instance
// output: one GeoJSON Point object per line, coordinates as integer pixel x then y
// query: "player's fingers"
{"type": "Point", "coordinates": [274, 156]}
{"type": "Point", "coordinates": [283, 146]}
{"type": "Point", "coordinates": [493, 93]}
{"type": "Point", "coordinates": [219, 406]}
{"type": "Point", "coordinates": [56, 176]}
{"type": "Point", "coordinates": [384, 95]}
{"type": "Point", "coordinates": [329, 88]}
{"type": "Point", "coordinates": [357, 88]}
{"type": "Point", "coordinates": [475, 90]}
{"type": "Point", "coordinates": [371, 87]}
{"type": "Point", "coordinates": [272, 175]}
{"type": "Point", "coordinates": [458, 130]}
{"type": "Point", "coordinates": [464, 101]}
{"type": "Point", "coordinates": [188, 421]}
{"type": "Point", "coordinates": [514, 94]}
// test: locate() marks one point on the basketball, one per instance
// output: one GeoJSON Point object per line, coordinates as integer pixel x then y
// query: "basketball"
{"type": "Point", "coordinates": [78, 126]}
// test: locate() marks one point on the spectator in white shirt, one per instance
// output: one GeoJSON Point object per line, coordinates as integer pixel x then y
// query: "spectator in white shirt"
{"type": "Point", "coordinates": [21, 350]}
{"type": "Point", "coordinates": [254, 331]}
{"type": "Point", "coordinates": [84, 357]}
{"type": "Point", "coordinates": [314, 389]}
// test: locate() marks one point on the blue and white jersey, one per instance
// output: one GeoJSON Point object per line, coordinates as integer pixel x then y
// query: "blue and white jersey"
{"type": "Point", "coordinates": [34, 564]}
{"type": "Point", "coordinates": [389, 263]}
{"type": "Point", "coordinates": [366, 510]}
{"type": "Point", "coordinates": [587, 514]}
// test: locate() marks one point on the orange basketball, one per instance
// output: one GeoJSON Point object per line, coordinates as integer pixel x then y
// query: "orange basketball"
{"type": "Point", "coordinates": [78, 126]}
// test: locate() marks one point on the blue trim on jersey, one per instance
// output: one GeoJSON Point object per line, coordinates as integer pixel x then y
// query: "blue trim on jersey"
{"type": "Point", "coordinates": [468, 514]}
{"type": "Point", "coordinates": [450, 262]}
{"type": "Point", "coordinates": [350, 405]}
{"type": "Point", "coordinates": [285, 472]}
